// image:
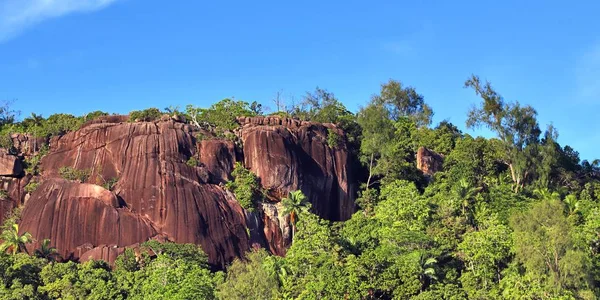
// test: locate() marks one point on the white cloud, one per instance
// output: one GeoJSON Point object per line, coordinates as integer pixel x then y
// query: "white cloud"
{"type": "Point", "coordinates": [19, 15]}
{"type": "Point", "coordinates": [588, 75]}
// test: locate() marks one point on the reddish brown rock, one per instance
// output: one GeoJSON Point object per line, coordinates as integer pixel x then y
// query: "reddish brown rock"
{"type": "Point", "coordinates": [219, 157]}
{"type": "Point", "coordinates": [297, 157]}
{"type": "Point", "coordinates": [28, 145]}
{"type": "Point", "coordinates": [74, 214]}
{"type": "Point", "coordinates": [158, 194]}
{"type": "Point", "coordinates": [10, 165]}
{"type": "Point", "coordinates": [428, 161]}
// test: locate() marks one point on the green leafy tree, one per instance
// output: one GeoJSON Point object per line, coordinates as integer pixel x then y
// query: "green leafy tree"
{"type": "Point", "coordinates": [545, 247]}
{"type": "Point", "coordinates": [252, 278]}
{"type": "Point", "coordinates": [515, 125]}
{"type": "Point", "coordinates": [294, 205]}
{"type": "Point", "coordinates": [46, 251]}
{"type": "Point", "coordinates": [246, 187]}
{"type": "Point", "coordinates": [485, 252]}
{"type": "Point", "coordinates": [12, 241]}
{"type": "Point", "coordinates": [404, 101]}
{"type": "Point", "coordinates": [222, 115]}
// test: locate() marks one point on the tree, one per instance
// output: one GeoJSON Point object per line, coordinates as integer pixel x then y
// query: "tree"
{"type": "Point", "coordinates": [484, 252]}
{"type": "Point", "coordinates": [515, 125]}
{"type": "Point", "coordinates": [13, 242]}
{"type": "Point", "coordinates": [426, 270]}
{"type": "Point", "coordinates": [404, 101]}
{"type": "Point", "coordinates": [46, 251]}
{"type": "Point", "coordinates": [465, 195]}
{"type": "Point", "coordinates": [251, 278]}
{"type": "Point", "coordinates": [221, 115]}
{"type": "Point", "coordinates": [294, 205]}
{"type": "Point", "coordinates": [545, 247]}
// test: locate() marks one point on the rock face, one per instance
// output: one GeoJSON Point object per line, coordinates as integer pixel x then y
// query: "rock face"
{"type": "Point", "coordinates": [428, 161]}
{"type": "Point", "coordinates": [290, 155]}
{"type": "Point", "coordinates": [10, 165]}
{"type": "Point", "coordinates": [158, 194]}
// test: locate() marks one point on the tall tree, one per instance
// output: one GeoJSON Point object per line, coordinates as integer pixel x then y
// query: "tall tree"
{"type": "Point", "coordinates": [404, 101]}
{"type": "Point", "coordinates": [514, 124]}
{"type": "Point", "coordinates": [294, 205]}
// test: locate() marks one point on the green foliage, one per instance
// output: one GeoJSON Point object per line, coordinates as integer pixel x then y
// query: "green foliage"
{"type": "Point", "coordinates": [32, 166]}
{"type": "Point", "coordinates": [254, 278]}
{"type": "Point", "coordinates": [545, 247]}
{"type": "Point", "coordinates": [516, 127]}
{"type": "Point", "coordinates": [7, 143]}
{"type": "Point", "coordinates": [334, 140]}
{"type": "Point", "coordinates": [46, 251]}
{"type": "Point", "coordinates": [222, 114]}
{"type": "Point", "coordinates": [56, 124]}
{"type": "Point", "coordinates": [245, 186]}
{"type": "Point", "coordinates": [31, 187]}
{"type": "Point", "coordinates": [3, 194]}
{"type": "Point", "coordinates": [146, 115]}
{"type": "Point", "coordinates": [94, 115]}
{"type": "Point", "coordinates": [12, 241]}
{"type": "Point", "coordinates": [192, 162]}
{"type": "Point", "coordinates": [70, 173]}
{"type": "Point", "coordinates": [110, 183]}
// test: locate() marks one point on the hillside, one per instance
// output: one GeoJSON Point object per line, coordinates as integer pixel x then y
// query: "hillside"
{"type": "Point", "coordinates": [310, 202]}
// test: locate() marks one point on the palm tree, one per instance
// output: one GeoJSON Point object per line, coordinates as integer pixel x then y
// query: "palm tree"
{"type": "Point", "coordinates": [572, 204]}
{"type": "Point", "coordinates": [546, 194]}
{"type": "Point", "coordinates": [293, 205]}
{"type": "Point", "coordinates": [12, 241]}
{"type": "Point", "coordinates": [427, 270]}
{"type": "Point", "coordinates": [47, 252]}
{"type": "Point", "coordinates": [465, 194]}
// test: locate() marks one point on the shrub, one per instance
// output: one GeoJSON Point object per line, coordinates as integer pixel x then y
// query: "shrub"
{"type": "Point", "coordinates": [222, 114]}
{"type": "Point", "coordinates": [70, 173]}
{"type": "Point", "coordinates": [31, 187]}
{"type": "Point", "coordinates": [32, 165]}
{"type": "Point", "coordinates": [146, 115]}
{"type": "Point", "coordinates": [333, 138]}
{"type": "Point", "coordinates": [6, 142]}
{"type": "Point", "coordinates": [3, 194]}
{"type": "Point", "coordinates": [110, 184]}
{"type": "Point", "coordinates": [192, 162]}
{"type": "Point", "coordinates": [245, 186]}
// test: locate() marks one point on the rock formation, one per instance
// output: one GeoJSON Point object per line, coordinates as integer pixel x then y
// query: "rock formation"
{"type": "Point", "coordinates": [158, 195]}
{"type": "Point", "coordinates": [428, 161]}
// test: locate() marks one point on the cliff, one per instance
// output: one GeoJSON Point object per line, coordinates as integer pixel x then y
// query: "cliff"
{"type": "Point", "coordinates": [157, 195]}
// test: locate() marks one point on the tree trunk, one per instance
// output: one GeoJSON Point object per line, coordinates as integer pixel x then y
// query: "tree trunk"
{"type": "Point", "coordinates": [370, 171]}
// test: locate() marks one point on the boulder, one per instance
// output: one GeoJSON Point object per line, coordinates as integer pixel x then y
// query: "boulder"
{"type": "Point", "coordinates": [10, 165]}
{"type": "Point", "coordinates": [428, 161]}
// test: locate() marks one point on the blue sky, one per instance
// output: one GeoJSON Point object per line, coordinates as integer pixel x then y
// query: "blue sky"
{"type": "Point", "coordinates": [76, 56]}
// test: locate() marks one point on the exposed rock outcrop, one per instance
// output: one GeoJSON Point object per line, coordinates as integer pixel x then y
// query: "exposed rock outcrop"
{"type": "Point", "coordinates": [290, 155]}
{"type": "Point", "coordinates": [159, 195]}
{"type": "Point", "coordinates": [428, 161]}
{"type": "Point", "coordinates": [10, 165]}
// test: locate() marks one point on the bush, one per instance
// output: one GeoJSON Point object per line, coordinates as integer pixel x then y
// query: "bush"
{"type": "Point", "coordinates": [70, 173]}
{"type": "Point", "coordinates": [333, 138]}
{"type": "Point", "coordinates": [32, 165]}
{"type": "Point", "coordinates": [245, 186]}
{"type": "Point", "coordinates": [3, 194]}
{"type": "Point", "coordinates": [31, 187]}
{"type": "Point", "coordinates": [223, 114]}
{"type": "Point", "coordinates": [6, 142]}
{"type": "Point", "coordinates": [110, 184]}
{"type": "Point", "coordinates": [192, 162]}
{"type": "Point", "coordinates": [146, 115]}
